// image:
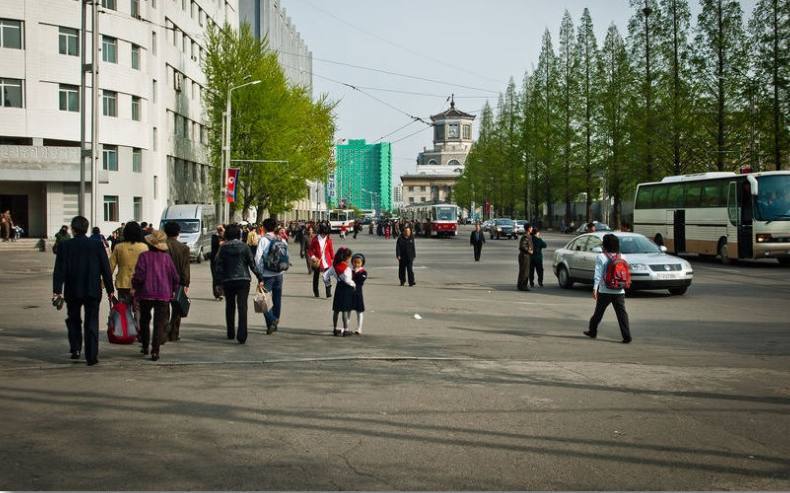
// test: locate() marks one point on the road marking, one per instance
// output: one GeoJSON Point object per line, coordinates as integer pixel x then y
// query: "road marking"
{"type": "Point", "coordinates": [506, 301]}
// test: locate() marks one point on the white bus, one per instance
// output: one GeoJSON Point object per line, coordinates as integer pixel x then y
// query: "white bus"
{"type": "Point", "coordinates": [341, 217]}
{"type": "Point", "coordinates": [733, 216]}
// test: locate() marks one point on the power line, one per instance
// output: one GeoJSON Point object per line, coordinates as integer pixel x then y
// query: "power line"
{"type": "Point", "coordinates": [395, 131]}
{"type": "Point", "coordinates": [407, 136]}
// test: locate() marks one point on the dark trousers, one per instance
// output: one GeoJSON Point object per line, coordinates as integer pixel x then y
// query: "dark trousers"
{"type": "Point", "coordinates": [75, 326]}
{"type": "Point", "coordinates": [523, 271]}
{"type": "Point", "coordinates": [316, 276]}
{"type": "Point", "coordinates": [535, 265]}
{"type": "Point", "coordinates": [616, 300]}
{"type": "Point", "coordinates": [236, 293]}
{"type": "Point", "coordinates": [274, 285]}
{"type": "Point", "coordinates": [404, 267]}
{"type": "Point", "coordinates": [175, 326]}
{"type": "Point", "coordinates": [161, 315]}
{"type": "Point", "coordinates": [478, 247]}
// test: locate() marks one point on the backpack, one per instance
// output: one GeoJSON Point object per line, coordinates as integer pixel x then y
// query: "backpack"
{"type": "Point", "coordinates": [618, 273]}
{"type": "Point", "coordinates": [121, 325]}
{"type": "Point", "coordinates": [276, 258]}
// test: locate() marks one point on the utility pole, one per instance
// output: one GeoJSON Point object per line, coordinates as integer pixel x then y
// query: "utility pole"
{"type": "Point", "coordinates": [83, 104]}
{"type": "Point", "coordinates": [95, 115]}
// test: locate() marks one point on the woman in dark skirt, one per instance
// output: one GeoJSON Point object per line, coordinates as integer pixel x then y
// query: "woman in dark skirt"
{"type": "Point", "coordinates": [359, 275]}
{"type": "Point", "coordinates": [344, 292]}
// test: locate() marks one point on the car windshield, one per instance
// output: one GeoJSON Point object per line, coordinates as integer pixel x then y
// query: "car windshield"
{"type": "Point", "coordinates": [602, 227]}
{"type": "Point", "coordinates": [187, 225]}
{"type": "Point", "coordinates": [504, 222]}
{"type": "Point", "coordinates": [445, 213]}
{"type": "Point", "coordinates": [773, 199]}
{"type": "Point", "coordinates": [637, 244]}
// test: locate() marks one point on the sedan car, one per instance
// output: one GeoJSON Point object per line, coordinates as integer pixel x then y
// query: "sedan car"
{"type": "Point", "coordinates": [599, 226]}
{"type": "Point", "coordinates": [520, 224]}
{"type": "Point", "coordinates": [502, 228]}
{"type": "Point", "coordinates": [651, 267]}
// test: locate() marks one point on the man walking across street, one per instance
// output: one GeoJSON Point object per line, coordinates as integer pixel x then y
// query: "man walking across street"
{"type": "Point", "coordinates": [271, 279]}
{"type": "Point", "coordinates": [525, 250]}
{"type": "Point", "coordinates": [605, 295]}
{"type": "Point", "coordinates": [405, 253]}
{"type": "Point", "coordinates": [536, 259]}
{"type": "Point", "coordinates": [179, 252]}
{"type": "Point", "coordinates": [476, 240]}
{"type": "Point", "coordinates": [80, 265]}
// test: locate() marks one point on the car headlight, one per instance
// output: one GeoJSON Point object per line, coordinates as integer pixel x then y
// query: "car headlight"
{"type": "Point", "coordinates": [498, 228]}
{"type": "Point", "coordinates": [638, 267]}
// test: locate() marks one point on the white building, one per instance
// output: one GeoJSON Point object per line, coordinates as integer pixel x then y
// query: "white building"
{"type": "Point", "coordinates": [152, 130]}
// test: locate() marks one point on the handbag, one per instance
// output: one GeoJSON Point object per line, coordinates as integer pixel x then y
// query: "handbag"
{"type": "Point", "coordinates": [181, 303]}
{"type": "Point", "coordinates": [262, 300]}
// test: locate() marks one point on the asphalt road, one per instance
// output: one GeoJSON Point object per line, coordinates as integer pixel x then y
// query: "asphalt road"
{"type": "Point", "coordinates": [460, 382]}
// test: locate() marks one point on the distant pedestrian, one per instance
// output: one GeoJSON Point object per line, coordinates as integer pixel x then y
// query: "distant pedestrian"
{"type": "Point", "coordinates": [536, 259]}
{"type": "Point", "coordinates": [232, 267]}
{"type": "Point", "coordinates": [344, 289]}
{"type": "Point", "coordinates": [96, 235]}
{"type": "Point", "coordinates": [525, 251]}
{"type": "Point", "coordinates": [60, 237]}
{"type": "Point", "coordinates": [359, 276]}
{"type": "Point", "coordinates": [307, 239]}
{"type": "Point", "coordinates": [216, 242]}
{"type": "Point", "coordinates": [272, 252]}
{"type": "Point", "coordinates": [154, 282]}
{"type": "Point", "coordinates": [406, 252]}
{"type": "Point", "coordinates": [321, 256]}
{"type": "Point", "coordinates": [179, 252]}
{"type": "Point", "coordinates": [80, 266]}
{"type": "Point", "coordinates": [343, 230]}
{"type": "Point", "coordinates": [252, 240]}
{"type": "Point", "coordinates": [476, 240]}
{"type": "Point", "coordinates": [605, 294]}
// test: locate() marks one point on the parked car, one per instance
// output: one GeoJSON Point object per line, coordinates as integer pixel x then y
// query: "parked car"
{"type": "Point", "coordinates": [599, 226]}
{"type": "Point", "coordinates": [502, 228]}
{"type": "Point", "coordinates": [486, 226]}
{"type": "Point", "coordinates": [197, 224]}
{"type": "Point", "coordinates": [519, 226]}
{"type": "Point", "coordinates": [651, 267]}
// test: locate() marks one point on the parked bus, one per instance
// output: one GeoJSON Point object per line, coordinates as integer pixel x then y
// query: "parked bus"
{"type": "Point", "coordinates": [341, 217]}
{"type": "Point", "coordinates": [435, 219]}
{"type": "Point", "coordinates": [733, 216]}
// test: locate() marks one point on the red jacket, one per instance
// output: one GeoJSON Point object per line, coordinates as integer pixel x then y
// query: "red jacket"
{"type": "Point", "coordinates": [329, 252]}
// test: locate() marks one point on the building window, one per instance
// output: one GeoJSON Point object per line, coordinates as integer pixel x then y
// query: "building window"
{"type": "Point", "coordinates": [136, 57]}
{"type": "Point", "coordinates": [185, 131]}
{"type": "Point", "coordinates": [109, 103]}
{"type": "Point", "coordinates": [432, 162]}
{"type": "Point", "coordinates": [109, 49]}
{"type": "Point", "coordinates": [193, 9]}
{"type": "Point", "coordinates": [467, 132]}
{"type": "Point", "coordinates": [111, 208]}
{"type": "Point", "coordinates": [155, 137]}
{"type": "Point", "coordinates": [438, 132]}
{"type": "Point", "coordinates": [194, 172]}
{"type": "Point", "coordinates": [203, 175]}
{"type": "Point", "coordinates": [10, 33]}
{"type": "Point", "coordinates": [201, 17]}
{"type": "Point", "coordinates": [153, 43]}
{"type": "Point", "coordinates": [453, 162]}
{"type": "Point", "coordinates": [11, 93]}
{"type": "Point", "coordinates": [137, 208]}
{"type": "Point", "coordinates": [110, 4]}
{"type": "Point", "coordinates": [411, 188]}
{"type": "Point", "coordinates": [156, 186]}
{"type": "Point", "coordinates": [135, 108]}
{"type": "Point", "coordinates": [423, 188]}
{"type": "Point", "coordinates": [69, 98]}
{"type": "Point", "coordinates": [68, 41]}
{"type": "Point", "coordinates": [137, 160]}
{"type": "Point", "coordinates": [422, 199]}
{"type": "Point", "coordinates": [109, 157]}
{"type": "Point", "coordinates": [153, 90]}
{"type": "Point", "coordinates": [452, 131]}
{"type": "Point", "coordinates": [135, 8]}
{"type": "Point", "coordinates": [411, 200]}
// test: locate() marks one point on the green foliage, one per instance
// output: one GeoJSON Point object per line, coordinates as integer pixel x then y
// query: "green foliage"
{"type": "Point", "coordinates": [270, 121]}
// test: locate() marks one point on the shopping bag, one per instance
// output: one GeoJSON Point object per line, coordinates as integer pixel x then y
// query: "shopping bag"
{"type": "Point", "coordinates": [262, 300]}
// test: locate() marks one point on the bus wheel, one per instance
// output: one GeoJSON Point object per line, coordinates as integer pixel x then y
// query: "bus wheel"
{"type": "Point", "coordinates": [784, 260]}
{"type": "Point", "coordinates": [724, 254]}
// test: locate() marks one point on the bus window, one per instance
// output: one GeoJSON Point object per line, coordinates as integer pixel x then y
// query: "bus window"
{"type": "Point", "coordinates": [712, 194]}
{"type": "Point", "coordinates": [732, 203]}
{"type": "Point", "coordinates": [693, 192]}
{"type": "Point", "coordinates": [644, 197]}
{"type": "Point", "coordinates": [660, 197]}
{"type": "Point", "coordinates": [675, 198]}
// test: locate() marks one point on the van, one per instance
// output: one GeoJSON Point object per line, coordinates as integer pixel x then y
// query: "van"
{"type": "Point", "coordinates": [197, 223]}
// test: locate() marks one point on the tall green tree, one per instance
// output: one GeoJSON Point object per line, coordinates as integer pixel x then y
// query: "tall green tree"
{"type": "Point", "coordinates": [568, 92]}
{"type": "Point", "coordinates": [546, 97]}
{"type": "Point", "coordinates": [589, 66]}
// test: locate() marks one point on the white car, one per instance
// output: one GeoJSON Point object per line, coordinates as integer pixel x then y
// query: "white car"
{"type": "Point", "coordinates": [520, 224]}
{"type": "Point", "coordinates": [651, 267]}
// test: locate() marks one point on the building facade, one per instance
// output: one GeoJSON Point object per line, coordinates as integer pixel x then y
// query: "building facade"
{"type": "Point", "coordinates": [151, 129]}
{"type": "Point", "coordinates": [438, 169]}
{"type": "Point", "coordinates": [362, 176]}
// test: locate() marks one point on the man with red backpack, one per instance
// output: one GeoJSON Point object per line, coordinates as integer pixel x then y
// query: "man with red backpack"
{"type": "Point", "coordinates": [612, 278]}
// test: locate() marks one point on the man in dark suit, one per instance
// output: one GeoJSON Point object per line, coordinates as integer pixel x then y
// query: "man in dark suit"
{"type": "Point", "coordinates": [477, 239]}
{"type": "Point", "coordinates": [81, 264]}
{"type": "Point", "coordinates": [179, 252]}
{"type": "Point", "coordinates": [406, 253]}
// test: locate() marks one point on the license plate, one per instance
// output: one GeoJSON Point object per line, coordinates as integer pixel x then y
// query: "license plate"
{"type": "Point", "coordinates": [666, 275]}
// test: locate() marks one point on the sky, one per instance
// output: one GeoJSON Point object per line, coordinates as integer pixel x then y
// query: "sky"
{"type": "Point", "coordinates": [471, 47]}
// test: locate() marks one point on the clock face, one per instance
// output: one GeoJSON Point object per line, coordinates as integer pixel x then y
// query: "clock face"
{"type": "Point", "coordinates": [452, 131]}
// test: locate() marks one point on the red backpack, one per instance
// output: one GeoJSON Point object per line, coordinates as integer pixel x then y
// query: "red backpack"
{"type": "Point", "coordinates": [121, 326]}
{"type": "Point", "coordinates": [618, 273]}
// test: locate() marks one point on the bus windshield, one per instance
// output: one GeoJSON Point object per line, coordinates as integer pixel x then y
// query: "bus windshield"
{"type": "Point", "coordinates": [445, 214]}
{"type": "Point", "coordinates": [339, 216]}
{"type": "Point", "coordinates": [188, 226]}
{"type": "Point", "coordinates": [637, 244]}
{"type": "Point", "coordinates": [773, 199]}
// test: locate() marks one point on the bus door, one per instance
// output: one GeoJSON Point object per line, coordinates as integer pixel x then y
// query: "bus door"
{"type": "Point", "coordinates": [679, 230]}
{"type": "Point", "coordinates": [745, 233]}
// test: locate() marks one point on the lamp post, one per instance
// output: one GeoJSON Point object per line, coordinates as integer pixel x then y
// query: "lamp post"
{"type": "Point", "coordinates": [372, 201]}
{"type": "Point", "coordinates": [226, 161]}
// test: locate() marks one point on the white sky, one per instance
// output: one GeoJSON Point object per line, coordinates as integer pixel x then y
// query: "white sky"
{"type": "Point", "coordinates": [472, 43]}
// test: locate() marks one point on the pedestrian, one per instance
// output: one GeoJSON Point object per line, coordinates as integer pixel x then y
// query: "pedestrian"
{"type": "Point", "coordinates": [476, 240]}
{"type": "Point", "coordinates": [154, 283]}
{"type": "Point", "coordinates": [307, 239]}
{"type": "Point", "coordinates": [359, 276]}
{"type": "Point", "coordinates": [60, 237]}
{"type": "Point", "coordinates": [605, 294]}
{"type": "Point", "coordinates": [179, 252]}
{"type": "Point", "coordinates": [387, 231]}
{"type": "Point", "coordinates": [271, 279]}
{"type": "Point", "coordinates": [370, 228]}
{"type": "Point", "coordinates": [406, 252]}
{"type": "Point", "coordinates": [343, 229]}
{"type": "Point", "coordinates": [344, 290]}
{"type": "Point", "coordinates": [525, 250]}
{"type": "Point", "coordinates": [590, 228]}
{"type": "Point", "coordinates": [124, 258]}
{"type": "Point", "coordinates": [5, 225]}
{"type": "Point", "coordinates": [321, 256]}
{"type": "Point", "coordinates": [357, 228]}
{"type": "Point", "coordinates": [232, 267]}
{"type": "Point", "coordinates": [536, 259]}
{"type": "Point", "coordinates": [80, 266]}
{"type": "Point", "coordinates": [253, 239]}
{"type": "Point", "coordinates": [96, 235]}
{"type": "Point", "coordinates": [299, 238]}
{"type": "Point", "coordinates": [216, 242]}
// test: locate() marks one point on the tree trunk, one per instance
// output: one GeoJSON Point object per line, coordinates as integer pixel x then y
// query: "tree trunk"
{"type": "Point", "coordinates": [720, 96]}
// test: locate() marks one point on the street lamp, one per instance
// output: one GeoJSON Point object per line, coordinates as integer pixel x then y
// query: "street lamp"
{"type": "Point", "coordinates": [226, 161]}
{"type": "Point", "coordinates": [373, 202]}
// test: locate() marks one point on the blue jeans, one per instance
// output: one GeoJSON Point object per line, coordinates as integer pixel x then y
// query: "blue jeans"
{"type": "Point", "coordinates": [274, 285]}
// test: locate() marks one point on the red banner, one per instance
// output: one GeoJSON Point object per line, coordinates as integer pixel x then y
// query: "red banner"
{"type": "Point", "coordinates": [231, 177]}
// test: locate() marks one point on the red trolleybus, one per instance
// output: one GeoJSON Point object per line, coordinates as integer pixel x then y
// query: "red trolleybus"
{"type": "Point", "coordinates": [435, 219]}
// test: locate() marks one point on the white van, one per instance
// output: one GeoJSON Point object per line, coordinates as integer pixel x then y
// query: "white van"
{"type": "Point", "coordinates": [197, 223]}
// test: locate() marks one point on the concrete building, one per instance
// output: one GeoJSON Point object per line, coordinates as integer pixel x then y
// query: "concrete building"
{"type": "Point", "coordinates": [151, 127]}
{"type": "Point", "coordinates": [363, 176]}
{"type": "Point", "coordinates": [397, 197]}
{"type": "Point", "coordinates": [438, 169]}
